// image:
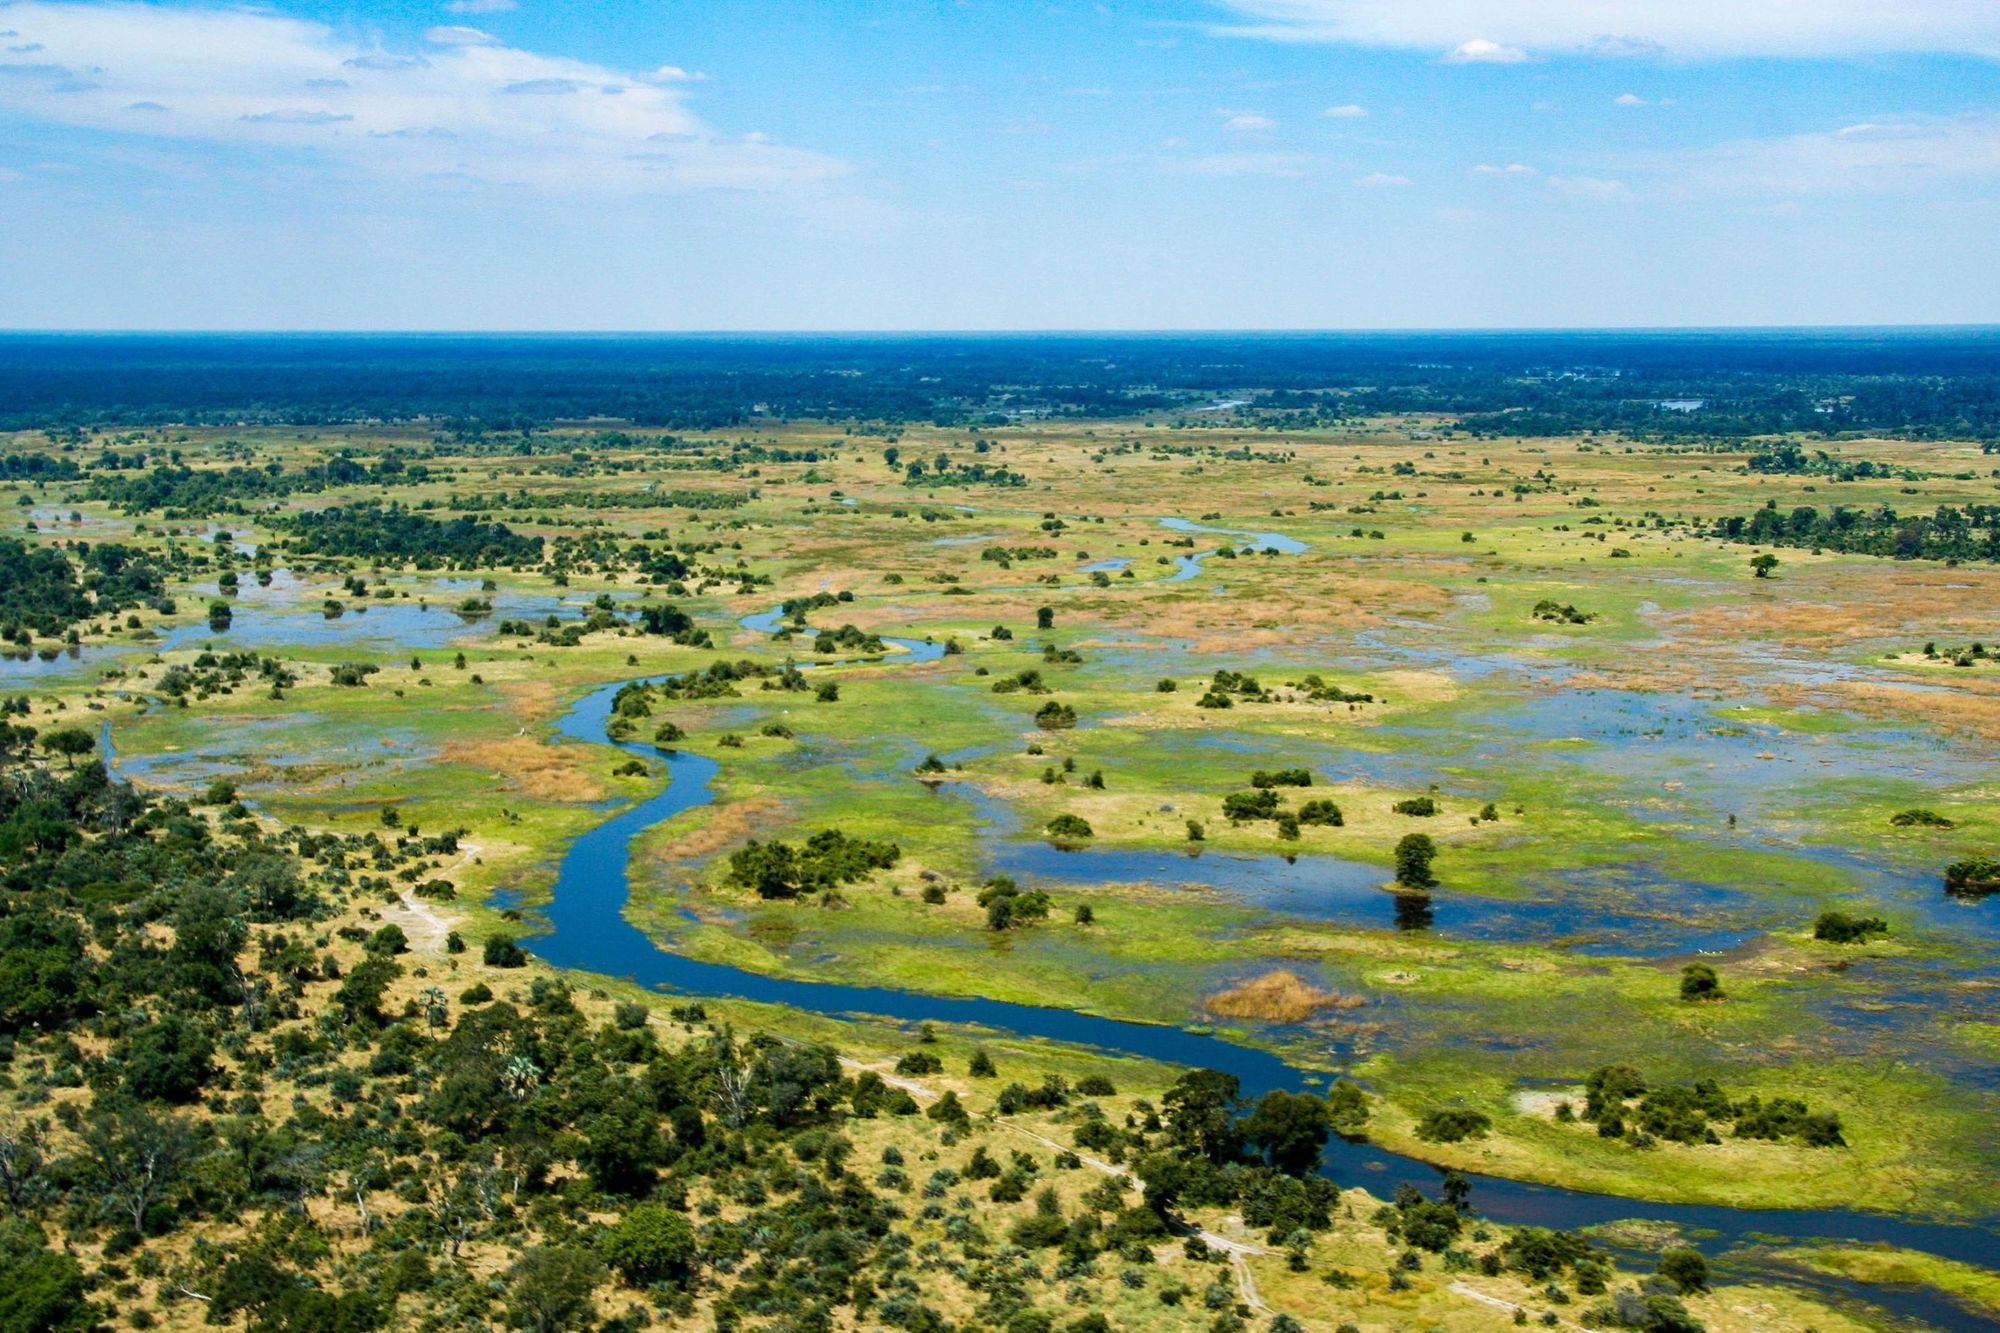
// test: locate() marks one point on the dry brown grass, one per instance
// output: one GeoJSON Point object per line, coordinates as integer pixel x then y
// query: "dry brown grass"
{"type": "Point", "coordinates": [729, 824]}
{"type": "Point", "coordinates": [530, 767]}
{"type": "Point", "coordinates": [1976, 712]}
{"type": "Point", "coordinates": [1278, 997]}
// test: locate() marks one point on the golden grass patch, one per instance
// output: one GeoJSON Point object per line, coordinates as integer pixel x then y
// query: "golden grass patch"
{"type": "Point", "coordinates": [1282, 996]}
{"type": "Point", "coordinates": [530, 767]}
{"type": "Point", "coordinates": [728, 824]}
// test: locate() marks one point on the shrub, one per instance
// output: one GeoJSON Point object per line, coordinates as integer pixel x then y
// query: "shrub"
{"type": "Point", "coordinates": [1321, 812]}
{"type": "Point", "coordinates": [1053, 716]}
{"type": "Point", "coordinates": [1420, 806]}
{"type": "Point", "coordinates": [1248, 805]}
{"type": "Point", "coordinates": [1450, 1125]}
{"type": "Point", "coordinates": [1685, 1268]}
{"type": "Point", "coordinates": [1840, 928]}
{"type": "Point", "coordinates": [1069, 827]}
{"type": "Point", "coordinates": [1699, 982]}
{"type": "Point", "coordinates": [1974, 877]}
{"type": "Point", "coordinates": [503, 952]}
{"type": "Point", "coordinates": [652, 1243]}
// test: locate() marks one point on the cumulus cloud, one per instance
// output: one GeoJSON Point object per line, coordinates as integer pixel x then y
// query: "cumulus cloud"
{"type": "Point", "coordinates": [546, 87]}
{"type": "Point", "coordinates": [1382, 180]}
{"type": "Point", "coordinates": [1625, 29]}
{"type": "Point", "coordinates": [453, 35]}
{"type": "Point", "coordinates": [1481, 51]}
{"type": "Point", "coordinates": [297, 117]}
{"type": "Point", "coordinates": [1246, 122]}
{"type": "Point", "coordinates": [256, 80]}
{"type": "Point", "coordinates": [1348, 112]}
{"type": "Point", "coordinates": [1511, 169]}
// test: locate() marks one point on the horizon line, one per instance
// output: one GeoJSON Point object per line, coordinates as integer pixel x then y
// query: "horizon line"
{"type": "Point", "coordinates": [1097, 332]}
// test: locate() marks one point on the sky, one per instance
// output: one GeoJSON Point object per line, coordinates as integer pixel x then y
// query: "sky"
{"type": "Point", "coordinates": [998, 164]}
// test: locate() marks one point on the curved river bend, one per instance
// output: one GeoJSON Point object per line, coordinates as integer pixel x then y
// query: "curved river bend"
{"type": "Point", "coordinates": [588, 931]}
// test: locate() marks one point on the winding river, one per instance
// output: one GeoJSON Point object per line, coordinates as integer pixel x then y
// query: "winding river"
{"type": "Point", "coordinates": [587, 930]}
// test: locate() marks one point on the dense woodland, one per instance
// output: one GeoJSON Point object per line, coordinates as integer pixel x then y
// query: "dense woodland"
{"type": "Point", "coordinates": [1668, 386]}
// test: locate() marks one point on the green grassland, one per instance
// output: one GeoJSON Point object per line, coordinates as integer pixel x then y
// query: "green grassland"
{"type": "Point", "coordinates": [1770, 732]}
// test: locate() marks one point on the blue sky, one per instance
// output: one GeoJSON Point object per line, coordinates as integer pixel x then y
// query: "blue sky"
{"type": "Point", "coordinates": [862, 164]}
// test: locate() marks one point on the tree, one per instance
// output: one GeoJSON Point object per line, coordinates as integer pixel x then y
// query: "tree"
{"type": "Point", "coordinates": [1290, 1129]}
{"type": "Point", "coordinates": [168, 1061]}
{"type": "Point", "coordinates": [787, 1079]}
{"type": "Point", "coordinates": [208, 934]}
{"type": "Point", "coordinates": [622, 1146]}
{"type": "Point", "coordinates": [1762, 565]}
{"type": "Point", "coordinates": [1699, 982]}
{"type": "Point", "coordinates": [40, 1291]}
{"type": "Point", "coordinates": [360, 994]}
{"type": "Point", "coordinates": [1685, 1268]}
{"type": "Point", "coordinates": [1201, 1114]}
{"type": "Point", "coordinates": [137, 1157]}
{"type": "Point", "coordinates": [552, 1288]}
{"type": "Point", "coordinates": [652, 1243]}
{"type": "Point", "coordinates": [1045, 617]}
{"type": "Point", "coordinates": [20, 1163]}
{"type": "Point", "coordinates": [499, 951]}
{"type": "Point", "coordinates": [1414, 854]}
{"type": "Point", "coordinates": [1069, 828]}
{"type": "Point", "coordinates": [69, 742]}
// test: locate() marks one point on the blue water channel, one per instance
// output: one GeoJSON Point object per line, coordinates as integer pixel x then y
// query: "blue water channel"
{"type": "Point", "coordinates": [587, 930]}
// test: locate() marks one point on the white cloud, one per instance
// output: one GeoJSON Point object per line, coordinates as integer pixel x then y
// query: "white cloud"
{"type": "Point", "coordinates": [480, 6]}
{"type": "Point", "coordinates": [1614, 29]}
{"type": "Point", "coordinates": [234, 78]}
{"type": "Point", "coordinates": [1907, 156]}
{"type": "Point", "coordinates": [1347, 112]}
{"type": "Point", "coordinates": [1630, 99]}
{"type": "Point", "coordinates": [1380, 180]}
{"type": "Point", "coordinates": [1246, 122]}
{"type": "Point", "coordinates": [674, 74]}
{"type": "Point", "coordinates": [1480, 51]}
{"type": "Point", "coordinates": [1591, 189]}
{"type": "Point", "coordinates": [1511, 169]}
{"type": "Point", "coordinates": [453, 35]}
{"type": "Point", "coordinates": [296, 118]}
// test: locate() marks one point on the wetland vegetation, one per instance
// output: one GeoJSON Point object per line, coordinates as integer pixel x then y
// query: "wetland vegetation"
{"type": "Point", "coordinates": [803, 838]}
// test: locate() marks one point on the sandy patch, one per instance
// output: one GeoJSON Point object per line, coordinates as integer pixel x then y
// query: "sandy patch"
{"type": "Point", "coordinates": [1543, 1103]}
